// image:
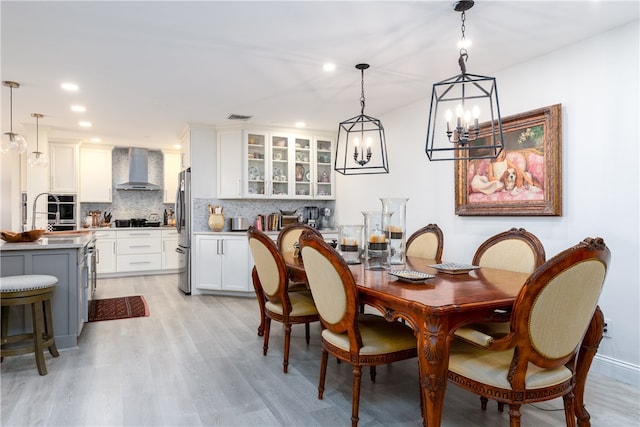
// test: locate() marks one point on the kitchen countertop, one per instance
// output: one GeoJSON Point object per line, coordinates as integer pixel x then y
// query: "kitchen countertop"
{"type": "Point", "coordinates": [51, 241]}
{"type": "Point", "coordinates": [268, 233]}
{"type": "Point", "coordinates": [162, 227]}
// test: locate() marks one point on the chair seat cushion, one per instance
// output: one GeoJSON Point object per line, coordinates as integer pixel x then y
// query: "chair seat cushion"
{"type": "Point", "coordinates": [27, 282]}
{"type": "Point", "coordinates": [378, 336]}
{"type": "Point", "coordinates": [301, 305]}
{"type": "Point", "coordinates": [492, 367]}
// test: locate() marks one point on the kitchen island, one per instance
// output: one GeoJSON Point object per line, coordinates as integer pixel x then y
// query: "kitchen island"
{"type": "Point", "coordinates": [65, 256]}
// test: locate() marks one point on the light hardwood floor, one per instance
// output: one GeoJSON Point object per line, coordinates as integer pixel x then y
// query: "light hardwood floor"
{"type": "Point", "coordinates": [197, 361]}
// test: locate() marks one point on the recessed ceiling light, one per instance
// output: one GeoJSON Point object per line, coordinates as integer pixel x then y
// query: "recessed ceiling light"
{"type": "Point", "coordinates": [78, 108]}
{"type": "Point", "coordinates": [329, 66]}
{"type": "Point", "coordinates": [70, 87]}
{"type": "Point", "coordinates": [300, 124]}
{"type": "Point", "coordinates": [84, 124]}
{"type": "Point", "coordinates": [96, 140]}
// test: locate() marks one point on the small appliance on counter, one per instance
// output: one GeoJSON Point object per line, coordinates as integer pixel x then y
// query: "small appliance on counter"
{"type": "Point", "coordinates": [326, 221]}
{"type": "Point", "coordinates": [312, 214]}
{"type": "Point", "coordinates": [288, 217]}
{"type": "Point", "coordinates": [239, 223]}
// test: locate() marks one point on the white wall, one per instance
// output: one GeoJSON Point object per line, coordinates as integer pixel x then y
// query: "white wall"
{"type": "Point", "coordinates": [596, 81]}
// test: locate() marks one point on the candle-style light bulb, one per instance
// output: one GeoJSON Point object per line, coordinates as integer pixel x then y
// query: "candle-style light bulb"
{"type": "Point", "coordinates": [356, 143]}
{"type": "Point", "coordinates": [459, 116]}
{"type": "Point", "coordinates": [448, 115]}
{"type": "Point", "coordinates": [467, 119]}
{"type": "Point", "coordinates": [368, 145]}
{"type": "Point", "coordinates": [476, 113]}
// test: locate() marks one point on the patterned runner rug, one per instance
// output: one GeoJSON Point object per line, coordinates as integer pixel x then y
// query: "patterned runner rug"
{"type": "Point", "coordinates": [117, 308]}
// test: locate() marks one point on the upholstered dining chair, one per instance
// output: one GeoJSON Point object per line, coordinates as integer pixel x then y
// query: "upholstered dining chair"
{"type": "Point", "coordinates": [270, 282]}
{"type": "Point", "coordinates": [536, 360]}
{"type": "Point", "coordinates": [355, 338]}
{"type": "Point", "coordinates": [514, 250]}
{"type": "Point", "coordinates": [426, 242]}
{"type": "Point", "coordinates": [287, 241]}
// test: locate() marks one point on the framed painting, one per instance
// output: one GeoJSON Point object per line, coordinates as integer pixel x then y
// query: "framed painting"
{"type": "Point", "coordinates": [526, 177]}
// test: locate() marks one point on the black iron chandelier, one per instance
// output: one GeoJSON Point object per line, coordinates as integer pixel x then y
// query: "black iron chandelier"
{"type": "Point", "coordinates": [469, 97]}
{"type": "Point", "coordinates": [361, 147]}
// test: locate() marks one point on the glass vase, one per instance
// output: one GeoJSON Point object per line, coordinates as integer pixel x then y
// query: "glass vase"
{"type": "Point", "coordinates": [350, 243]}
{"type": "Point", "coordinates": [396, 228]}
{"type": "Point", "coordinates": [377, 251]}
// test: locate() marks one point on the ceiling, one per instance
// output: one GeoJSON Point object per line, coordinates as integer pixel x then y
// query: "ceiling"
{"type": "Point", "coordinates": [145, 69]}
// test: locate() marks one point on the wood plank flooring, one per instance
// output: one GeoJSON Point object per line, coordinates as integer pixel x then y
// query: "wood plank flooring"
{"type": "Point", "coordinates": [197, 361]}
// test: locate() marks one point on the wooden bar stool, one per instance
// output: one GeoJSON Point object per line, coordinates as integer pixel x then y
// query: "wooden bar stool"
{"type": "Point", "coordinates": [36, 291]}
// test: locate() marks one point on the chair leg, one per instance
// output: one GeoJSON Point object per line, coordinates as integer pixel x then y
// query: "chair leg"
{"type": "Point", "coordinates": [569, 409]}
{"type": "Point", "coordinates": [372, 373]}
{"type": "Point", "coordinates": [483, 403]}
{"type": "Point", "coordinates": [48, 328]}
{"type": "Point", "coordinates": [501, 406]}
{"type": "Point", "coordinates": [514, 415]}
{"type": "Point", "coordinates": [307, 333]}
{"type": "Point", "coordinates": [5, 326]}
{"type": "Point", "coordinates": [355, 403]}
{"type": "Point", "coordinates": [37, 320]}
{"type": "Point", "coordinates": [287, 342]}
{"type": "Point", "coordinates": [267, 329]}
{"type": "Point", "coordinates": [323, 373]}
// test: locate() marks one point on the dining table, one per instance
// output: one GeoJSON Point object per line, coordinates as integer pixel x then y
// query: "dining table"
{"type": "Point", "coordinates": [436, 307]}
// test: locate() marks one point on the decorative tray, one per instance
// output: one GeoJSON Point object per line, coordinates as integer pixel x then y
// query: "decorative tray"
{"type": "Point", "coordinates": [411, 276]}
{"type": "Point", "coordinates": [454, 268]}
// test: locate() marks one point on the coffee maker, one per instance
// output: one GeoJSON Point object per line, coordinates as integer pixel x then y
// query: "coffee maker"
{"type": "Point", "coordinates": [311, 215]}
{"type": "Point", "coordinates": [326, 219]}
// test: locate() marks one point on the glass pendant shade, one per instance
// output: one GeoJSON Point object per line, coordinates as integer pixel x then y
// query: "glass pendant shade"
{"type": "Point", "coordinates": [11, 141]}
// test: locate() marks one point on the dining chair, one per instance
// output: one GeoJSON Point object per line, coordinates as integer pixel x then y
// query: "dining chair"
{"type": "Point", "coordinates": [514, 250]}
{"type": "Point", "coordinates": [536, 360]}
{"type": "Point", "coordinates": [270, 281]}
{"type": "Point", "coordinates": [426, 242]}
{"type": "Point", "coordinates": [356, 338]}
{"type": "Point", "coordinates": [287, 241]}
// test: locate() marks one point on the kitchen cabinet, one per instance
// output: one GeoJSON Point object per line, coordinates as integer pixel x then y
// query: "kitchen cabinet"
{"type": "Point", "coordinates": [222, 263]}
{"type": "Point", "coordinates": [63, 168]}
{"type": "Point", "coordinates": [171, 170]}
{"type": "Point", "coordinates": [230, 165]}
{"type": "Point", "coordinates": [106, 251]}
{"type": "Point", "coordinates": [139, 250]}
{"type": "Point", "coordinates": [185, 149]}
{"type": "Point", "coordinates": [170, 258]}
{"type": "Point", "coordinates": [95, 174]}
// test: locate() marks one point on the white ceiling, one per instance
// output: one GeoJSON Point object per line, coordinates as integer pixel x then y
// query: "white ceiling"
{"type": "Point", "coordinates": [145, 69]}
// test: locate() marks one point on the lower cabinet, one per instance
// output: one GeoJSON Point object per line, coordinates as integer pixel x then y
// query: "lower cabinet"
{"type": "Point", "coordinates": [222, 263]}
{"type": "Point", "coordinates": [106, 251]}
{"type": "Point", "coordinates": [139, 250]}
{"type": "Point", "coordinates": [170, 258]}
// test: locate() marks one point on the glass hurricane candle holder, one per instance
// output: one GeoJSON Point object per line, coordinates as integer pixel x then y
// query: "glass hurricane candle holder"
{"type": "Point", "coordinates": [350, 243]}
{"type": "Point", "coordinates": [396, 228]}
{"type": "Point", "coordinates": [377, 251]}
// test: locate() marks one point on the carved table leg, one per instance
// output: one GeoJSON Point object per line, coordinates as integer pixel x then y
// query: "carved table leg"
{"type": "Point", "coordinates": [588, 350]}
{"type": "Point", "coordinates": [433, 357]}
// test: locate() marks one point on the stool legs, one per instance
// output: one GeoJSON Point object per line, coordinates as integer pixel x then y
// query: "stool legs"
{"type": "Point", "coordinates": [48, 328]}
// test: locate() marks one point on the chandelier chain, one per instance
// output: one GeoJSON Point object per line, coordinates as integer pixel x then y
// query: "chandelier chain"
{"type": "Point", "coordinates": [362, 92]}
{"type": "Point", "coordinates": [463, 51]}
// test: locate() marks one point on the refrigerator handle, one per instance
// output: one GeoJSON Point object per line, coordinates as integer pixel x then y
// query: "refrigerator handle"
{"type": "Point", "coordinates": [179, 204]}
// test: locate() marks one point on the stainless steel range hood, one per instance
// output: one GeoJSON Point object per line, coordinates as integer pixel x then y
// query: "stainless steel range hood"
{"type": "Point", "coordinates": [138, 172]}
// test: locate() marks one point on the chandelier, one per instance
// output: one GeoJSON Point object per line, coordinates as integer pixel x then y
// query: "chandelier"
{"type": "Point", "coordinates": [37, 159]}
{"type": "Point", "coordinates": [361, 147]}
{"type": "Point", "coordinates": [11, 141]}
{"type": "Point", "coordinates": [469, 97]}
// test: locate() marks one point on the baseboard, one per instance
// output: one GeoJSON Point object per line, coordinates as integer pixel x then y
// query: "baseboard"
{"type": "Point", "coordinates": [616, 369]}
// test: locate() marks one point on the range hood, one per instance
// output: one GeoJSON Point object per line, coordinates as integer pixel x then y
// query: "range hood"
{"type": "Point", "coordinates": [138, 172]}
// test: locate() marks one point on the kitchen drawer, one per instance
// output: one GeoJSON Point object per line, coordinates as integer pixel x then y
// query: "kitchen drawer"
{"type": "Point", "coordinates": [141, 233]}
{"type": "Point", "coordinates": [139, 246]}
{"type": "Point", "coordinates": [141, 262]}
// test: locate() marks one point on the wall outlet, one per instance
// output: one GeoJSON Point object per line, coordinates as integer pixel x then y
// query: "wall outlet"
{"type": "Point", "coordinates": [607, 328]}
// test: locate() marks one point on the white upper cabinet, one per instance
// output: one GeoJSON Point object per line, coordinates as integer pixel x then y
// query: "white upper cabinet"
{"type": "Point", "coordinates": [185, 149]}
{"type": "Point", "coordinates": [230, 165]}
{"type": "Point", "coordinates": [172, 164]}
{"type": "Point", "coordinates": [95, 174]}
{"type": "Point", "coordinates": [63, 167]}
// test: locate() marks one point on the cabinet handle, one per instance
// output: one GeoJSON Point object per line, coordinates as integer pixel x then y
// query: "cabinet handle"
{"type": "Point", "coordinates": [97, 256]}
{"type": "Point", "coordinates": [221, 247]}
{"type": "Point", "coordinates": [217, 247]}
{"type": "Point", "coordinates": [139, 246]}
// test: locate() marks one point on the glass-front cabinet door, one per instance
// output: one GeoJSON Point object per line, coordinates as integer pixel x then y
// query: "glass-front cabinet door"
{"type": "Point", "coordinates": [303, 167]}
{"type": "Point", "coordinates": [280, 170]}
{"type": "Point", "coordinates": [324, 175]}
{"type": "Point", "coordinates": [257, 168]}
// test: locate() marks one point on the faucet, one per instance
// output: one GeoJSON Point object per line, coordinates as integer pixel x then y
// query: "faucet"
{"type": "Point", "coordinates": [33, 215]}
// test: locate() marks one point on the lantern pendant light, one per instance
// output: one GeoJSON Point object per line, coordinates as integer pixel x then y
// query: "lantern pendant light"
{"type": "Point", "coordinates": [37, 159]}
{"type": "Point", "coordinates": [11, 141]}
{"type": "Point", "coordinates": [361, 147]}
{"type": "Point", "coordinates": [473, 98]}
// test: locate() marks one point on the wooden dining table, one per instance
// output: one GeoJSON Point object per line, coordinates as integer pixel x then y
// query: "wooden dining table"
{"type": "Point", "coordinates": [435, 308]}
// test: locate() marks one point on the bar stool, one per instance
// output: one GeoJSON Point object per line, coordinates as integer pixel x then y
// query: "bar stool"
{"type": "Point", "coordinates": [36, 291]}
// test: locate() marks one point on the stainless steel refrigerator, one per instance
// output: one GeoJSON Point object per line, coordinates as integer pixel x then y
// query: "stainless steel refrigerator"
{"type": "Point", "coordinates": [183, 227]}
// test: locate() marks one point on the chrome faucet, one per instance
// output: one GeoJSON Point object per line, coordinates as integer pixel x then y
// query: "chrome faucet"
{"type": "Point", "coordinates": [33, 215]}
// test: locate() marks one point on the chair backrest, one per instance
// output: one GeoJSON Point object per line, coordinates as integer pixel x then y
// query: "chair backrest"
{"type": "Point", "coordinates": [290, 235]}
{"type": "Point", "coordinates": [513, 250]}
{"type": "Point", "coordinates": [554, 308]}
{"type": "Point", "coordinates": [333, 288]}
{"type": "Point", "coordinates": [426, 242]}
{"type": "Point", "coordinates": [270, 268]}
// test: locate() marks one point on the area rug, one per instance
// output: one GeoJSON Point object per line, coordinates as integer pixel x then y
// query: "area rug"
{"type": "Point", "coordinates": [118, 308]}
